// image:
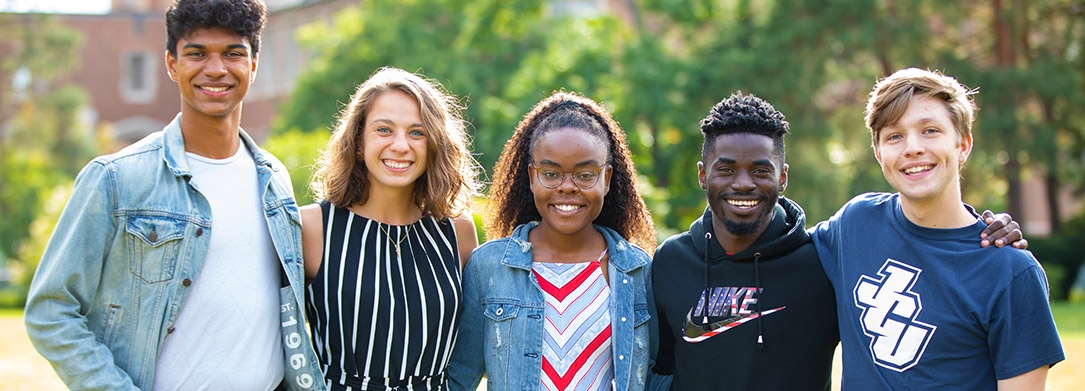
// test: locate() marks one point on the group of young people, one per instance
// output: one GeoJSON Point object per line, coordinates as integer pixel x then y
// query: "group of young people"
{"type": "Point", "coordinates": [183, 261]}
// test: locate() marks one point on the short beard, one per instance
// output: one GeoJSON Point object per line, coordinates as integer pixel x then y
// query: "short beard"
{"type": "Point", "coordinates": [746, 228]}
{"type": "Point", "coordinates": [739, 229]}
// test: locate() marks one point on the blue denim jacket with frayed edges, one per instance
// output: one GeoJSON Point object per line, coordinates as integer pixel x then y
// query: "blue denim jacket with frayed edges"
{"type": "Point", "coordinates": [501, 326]}
{"type": "Point", "coordinates": [113, 277]}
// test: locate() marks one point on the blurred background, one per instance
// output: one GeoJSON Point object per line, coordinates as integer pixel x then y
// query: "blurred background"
{"type": "Point", "coordinates": [83, 78]}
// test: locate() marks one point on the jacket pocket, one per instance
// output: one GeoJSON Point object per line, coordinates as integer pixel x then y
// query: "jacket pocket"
{"type": "Point", "coordinates": [640, 328]}
{"type": "Point", "coordinates": [154, 243]}
{"type": "Point", "coordinates": [111, 324]}
{"type": "Point", "coordinates": [500, 317]}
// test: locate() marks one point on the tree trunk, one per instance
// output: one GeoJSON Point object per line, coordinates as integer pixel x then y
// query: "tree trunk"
{"type": "Point", "coordinates": [1051, 182]}
{"type": "Point", "coordinates": [1006, 59]}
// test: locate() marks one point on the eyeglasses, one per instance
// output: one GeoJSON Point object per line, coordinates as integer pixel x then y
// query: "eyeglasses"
{"type": "Point", "coordinates": [583, 178]}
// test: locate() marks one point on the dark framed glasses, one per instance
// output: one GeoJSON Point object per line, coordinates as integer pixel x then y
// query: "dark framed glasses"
{"type": "Point", "coordinates": [551, 177]}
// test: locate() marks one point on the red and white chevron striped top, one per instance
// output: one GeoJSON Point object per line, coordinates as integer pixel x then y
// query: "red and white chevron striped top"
{"type": "Point", "coordinates": [576, 342]}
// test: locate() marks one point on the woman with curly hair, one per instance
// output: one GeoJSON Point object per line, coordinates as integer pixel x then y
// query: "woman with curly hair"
{"type": "Point", "coordinates": [559, 298]}
{"type": "Point", "coordinates": [385, 246]}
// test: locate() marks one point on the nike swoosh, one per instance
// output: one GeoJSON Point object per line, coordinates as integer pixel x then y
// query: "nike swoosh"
{"type": "Point", "coordinates": [694, 333]}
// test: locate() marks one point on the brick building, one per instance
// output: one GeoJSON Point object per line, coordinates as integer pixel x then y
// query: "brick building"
{"type": "Point", "coordinates": [122, 65]}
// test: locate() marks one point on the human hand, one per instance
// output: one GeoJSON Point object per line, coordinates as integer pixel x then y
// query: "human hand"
{"type": "Point", "coordinates": [1001, 229]}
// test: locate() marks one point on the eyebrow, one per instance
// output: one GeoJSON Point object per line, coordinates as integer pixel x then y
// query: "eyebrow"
{"type": "Point", "coordinates": [203, 47]}
{"type": "Point", "coordinates": [581, 164]}
{"type": "Point", "coordinates": [390, 122]}
{"type": "Point", "coordinates": [759, 162]}
{"type": "Point", "coordinates": [923, 121]}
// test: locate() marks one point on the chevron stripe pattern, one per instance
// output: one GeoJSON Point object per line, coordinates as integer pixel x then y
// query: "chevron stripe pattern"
{"type": "Point", "coordinates": [576, 341]}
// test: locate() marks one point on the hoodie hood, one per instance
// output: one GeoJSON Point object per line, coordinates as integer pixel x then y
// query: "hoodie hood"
{"type": "Point", "coordinates": [786, 233]}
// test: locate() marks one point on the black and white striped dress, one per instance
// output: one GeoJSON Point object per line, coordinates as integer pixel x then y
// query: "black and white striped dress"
{"type": "Point", "coordinates": [380, 321]}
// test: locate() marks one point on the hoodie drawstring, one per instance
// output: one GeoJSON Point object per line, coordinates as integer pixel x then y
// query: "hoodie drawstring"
{"type": "Point", "coordinates": [707, 240]}
{"type": "Point", "coordinates": [757, 281]}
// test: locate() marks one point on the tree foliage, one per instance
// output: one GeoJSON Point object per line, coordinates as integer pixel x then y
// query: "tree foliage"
{"type": "Point", "coordinates": [42, 142]}
{"type": "Point", "coordinates": [660, 65]}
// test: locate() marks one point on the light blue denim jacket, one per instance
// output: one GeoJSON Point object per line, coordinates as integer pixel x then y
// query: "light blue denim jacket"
{"type": "Point", "coordinates": [131, 239]}
{"type": "Point", "coordinates": [501, 326]}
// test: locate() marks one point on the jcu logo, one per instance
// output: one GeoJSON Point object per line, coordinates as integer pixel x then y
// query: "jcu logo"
{"type": "Point", "coordinates": [890, 309]}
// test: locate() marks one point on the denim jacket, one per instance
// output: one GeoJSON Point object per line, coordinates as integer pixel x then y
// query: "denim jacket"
{"type": "Point", "coordinates": [133, 236]}
{"type": "Point", "coordinates": [501, 326]}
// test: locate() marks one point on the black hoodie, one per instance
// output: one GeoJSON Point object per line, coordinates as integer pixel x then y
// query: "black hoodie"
{"type": "Point", "coordinates": [770, 322]}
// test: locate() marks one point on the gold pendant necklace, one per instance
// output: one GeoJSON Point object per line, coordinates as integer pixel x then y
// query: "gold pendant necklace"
{"type": "Point", "coordinates": [398, 241]}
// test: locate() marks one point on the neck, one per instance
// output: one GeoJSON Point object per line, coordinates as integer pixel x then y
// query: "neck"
{"type": "Point", "coordinates": [211, 137]}
{"type": "Point", "coordinates": [395, 209]}
{"type": "Point", "coordinates": [735, 243]}
{"type": "Point", "coordinates": [553, 247]}
{"type": "Point", "coordinates": [944, 212]}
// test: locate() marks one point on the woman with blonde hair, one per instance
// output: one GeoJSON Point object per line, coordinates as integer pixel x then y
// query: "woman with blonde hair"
{"type": "Point", "coordinates": [385, 245]}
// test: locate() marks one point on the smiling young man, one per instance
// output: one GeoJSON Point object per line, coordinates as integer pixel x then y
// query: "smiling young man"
{"type": "Point", "coordinates": [742, 300]}
{"type": "Point", "coordinates": [176, 264]}
{"type": "Point", "coordinates": [920, 305]}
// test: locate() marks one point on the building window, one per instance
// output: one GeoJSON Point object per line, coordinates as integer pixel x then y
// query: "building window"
{"type": "Point", "coordinates": [137, 82]}
{"type": "Point", "coordinates": [137, 65]}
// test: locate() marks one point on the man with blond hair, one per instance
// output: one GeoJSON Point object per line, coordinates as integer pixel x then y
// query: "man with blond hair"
{"type": "Point", "coordinates": [920, 306]}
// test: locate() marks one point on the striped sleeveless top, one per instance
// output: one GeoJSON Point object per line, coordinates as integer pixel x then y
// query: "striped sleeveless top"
{"type": "Point", "coordinates": [382, 320]}
{"type": "Point", "coordinates": [576, 337]}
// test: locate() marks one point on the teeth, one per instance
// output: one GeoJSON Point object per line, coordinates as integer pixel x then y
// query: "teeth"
{"type": "Point", "coordinates": [744, 203]}
{"type": "Point", "coordinates": [566, 208]}
{"type": "Point", "coordinates": [393, 164]}
{"type": "Point", "coordinates": [916, 170]}
{"type": "Point", "coordinates": [216, 89]}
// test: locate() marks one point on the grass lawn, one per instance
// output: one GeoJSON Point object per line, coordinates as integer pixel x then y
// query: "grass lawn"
{"type": "Point", "coordinates": [23, 369]}
{"type": "Point", "coordinates": [1070, 318]}
{"type": "Point", "coordinates": [1069, 374]}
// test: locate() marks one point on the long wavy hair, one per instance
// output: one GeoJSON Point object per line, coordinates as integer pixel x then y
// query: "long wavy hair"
{"type": "Point", "coordinates": [450, 180]}
{"type": "Point", "coordinates": [511, 201]}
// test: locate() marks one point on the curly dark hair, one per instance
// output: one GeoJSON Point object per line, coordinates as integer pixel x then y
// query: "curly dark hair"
{"type": "Point", "coordinates": [511, 200]}
{"type": "Point", "coordinates": [740, 113]}
{"type": "Point", "coordinates": [244, 17]}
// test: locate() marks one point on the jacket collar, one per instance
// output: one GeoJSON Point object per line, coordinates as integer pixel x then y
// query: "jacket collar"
{"type": "Point", "coordinates": [518, 252]}
{"type": "Point", "coordinates": [173, 148]}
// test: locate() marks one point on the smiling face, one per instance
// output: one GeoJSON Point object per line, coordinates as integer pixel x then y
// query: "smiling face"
{"type": "Point", "coordinates": [567, 209]}
{"type": "Point", "coordinates": [743, 179]}
{"type": "Point", "coordinates": [922, 152]}
{"type": "Point", "coordinates": [213, 70]}
{"type": "Point", "coordinates": [394, 142]}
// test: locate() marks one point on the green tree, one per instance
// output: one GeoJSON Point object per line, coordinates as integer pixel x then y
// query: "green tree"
{"type": "Point", "coordinates": [659, 65]}
{"type": "Point", "coordinates": [298, 151]}
{"type": "Point", "coordinates": [472, 48]}
{"type": "Point", "coordinates": [42, 143]}
{"type": "Point", "coordinates": [500, 56]}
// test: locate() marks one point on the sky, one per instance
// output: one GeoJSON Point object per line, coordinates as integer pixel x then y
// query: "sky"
{"type": "Point", "coordinates": [58, 6]}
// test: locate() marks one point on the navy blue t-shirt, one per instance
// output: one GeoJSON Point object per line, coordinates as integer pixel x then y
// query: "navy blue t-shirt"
{"type": "Point", "coordinates": [925, 308]}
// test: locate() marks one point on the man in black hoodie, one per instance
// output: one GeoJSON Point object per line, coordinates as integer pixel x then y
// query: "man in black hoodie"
{"type": "Point", "coordinates": [742, 299]}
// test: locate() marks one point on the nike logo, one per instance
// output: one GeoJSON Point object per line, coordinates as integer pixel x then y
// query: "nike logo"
{"type": "Point", "coordinates": [696, 333]}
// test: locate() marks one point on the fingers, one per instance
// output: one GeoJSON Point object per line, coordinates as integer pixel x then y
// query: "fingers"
{"type": "Point", "coordinates": [1013, 236]}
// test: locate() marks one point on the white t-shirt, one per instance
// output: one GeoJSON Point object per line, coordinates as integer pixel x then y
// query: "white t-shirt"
{"type": "Point", "coordinates": [227, 335]}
